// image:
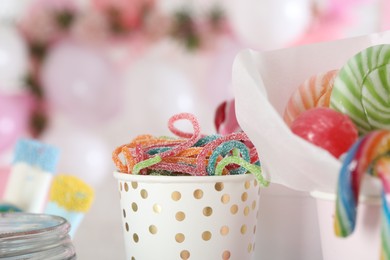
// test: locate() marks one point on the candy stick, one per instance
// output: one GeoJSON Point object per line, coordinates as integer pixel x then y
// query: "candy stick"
{"type": "Point", "coordinates": [32, 170]}
{"type": "Point", "coordinates": [357, 161]}
{"type": "Point", "coordinates": [70, 198]}
{"type": "Point", "coordinates": [385, 229]}
{"type": "Point", "coordinates": [369, 153]}
{"type": "Point", "coordinates": [381, 169]}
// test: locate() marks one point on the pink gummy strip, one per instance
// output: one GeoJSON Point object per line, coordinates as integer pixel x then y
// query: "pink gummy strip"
{"type": "Point", "coordinates": [193, 138]}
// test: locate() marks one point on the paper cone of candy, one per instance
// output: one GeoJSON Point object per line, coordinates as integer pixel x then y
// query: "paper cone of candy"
{"type": "Point", "coordinates": [319, 116]}
{"type": "Point", "coordinates": [190, 197]}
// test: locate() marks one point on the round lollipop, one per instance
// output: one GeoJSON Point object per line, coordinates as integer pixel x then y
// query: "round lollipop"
{"type": "Point", "coordinates": [361, 89]}
{"type": "Point", "coordinates": [314, 92]}
{"type": "Point", "coordinates": [326, 128]}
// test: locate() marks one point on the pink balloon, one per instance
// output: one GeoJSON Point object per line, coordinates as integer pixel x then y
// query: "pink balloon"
{"type": "Point", "coordinates": [14, 117]}
{"type": "Point", "coordinates": [345, 5]}
{"type": "Point", "coordinates": [82, 83]}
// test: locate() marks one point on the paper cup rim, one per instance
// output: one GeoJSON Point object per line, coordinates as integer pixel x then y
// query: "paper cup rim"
{"type": "Point", "coordinates": [182, 179]}
{"type": "Point", "coordinates": [367, 199]}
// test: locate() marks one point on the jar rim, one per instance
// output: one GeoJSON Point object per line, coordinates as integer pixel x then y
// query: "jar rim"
{"type": "Point", "coordinates": [16, 224]}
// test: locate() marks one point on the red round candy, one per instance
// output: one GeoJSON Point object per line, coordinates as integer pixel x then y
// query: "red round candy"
{"type": "Point", "coordinates": [326, 128]}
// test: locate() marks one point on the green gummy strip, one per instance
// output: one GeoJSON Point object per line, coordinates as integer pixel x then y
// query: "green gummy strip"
{"type": "Point", "coordinates": [146, 163]}
{"type": "Point", "coordinates": [254, 169]}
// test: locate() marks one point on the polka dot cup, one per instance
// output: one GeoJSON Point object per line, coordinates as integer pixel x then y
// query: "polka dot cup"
{"type": "Point", "coordinates": [200, 217]}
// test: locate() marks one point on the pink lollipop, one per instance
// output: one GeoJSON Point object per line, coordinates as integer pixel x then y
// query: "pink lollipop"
{"type": "Point", "coordinates": [314, 92]}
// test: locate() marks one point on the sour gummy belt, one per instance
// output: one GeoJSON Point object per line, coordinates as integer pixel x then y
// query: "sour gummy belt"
{"type": "Point", "coordinates": [189, 153]}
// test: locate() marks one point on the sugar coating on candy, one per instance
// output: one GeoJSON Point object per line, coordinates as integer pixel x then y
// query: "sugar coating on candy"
{"type": "Point", "coordinates": [201, 159]}
{"type": "Point", "coordinates": [193, 138]}
{"type": "Point", "coordinates": [188, 155]}
{"type": "Point", "coordinates": [174, 130]}
{"type": "Point", "coordinates": [223, 149]}
{"type": "Point", "coordinates": [361, 89]}
{"type": "Point", "coordinates": [175, 167]}
{"type": "Point", "coordinates": [206, 139]}
{"type": "Point", "coordinates": [147, 141]}
{"type": "Point", "coordinates": [254, 169]}
{"type": "Point", "coordinates": [146, 163]}
{"type": "Point", "coordinates": [326, 128]}
{"type": "Point", "coordinates": [313, 92]}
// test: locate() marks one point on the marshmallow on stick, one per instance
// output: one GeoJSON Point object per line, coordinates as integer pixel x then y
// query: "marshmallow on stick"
{"type": "Point", "coordinates": [69, 198]}
{"type": "Point", "coordinates": [32, 170]}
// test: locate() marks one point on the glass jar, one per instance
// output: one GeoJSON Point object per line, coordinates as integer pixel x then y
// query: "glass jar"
{"type": "Point", "coordinates": [35, 236]}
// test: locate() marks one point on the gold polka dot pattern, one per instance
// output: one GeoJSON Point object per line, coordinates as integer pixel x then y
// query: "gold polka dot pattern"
{"type": "Point", "coordinates": [152, 229]}
{"type": "Point", "coordinates": [207, 211]}
{"type": "Point", "coordinates": [180, 217]}
{"type": "Point", "coordinates": [206, 235]}
{"type": "Point", "coordinates": [226, 255]}
{"type": "Point", "coordinates": [198, 194]}
{"type": "Point", "coordinates": [176, 196]}
{"type": "Point", "coordinates": [179, 238]}
{"type": "Point", "coordinates": [219, 186]}
{"type": "Point", "coordinates": [185, 254]}
{"type": "Point", "coordinates": [144, 194]}
{"type": "Point", "coordinates": [225, 198]}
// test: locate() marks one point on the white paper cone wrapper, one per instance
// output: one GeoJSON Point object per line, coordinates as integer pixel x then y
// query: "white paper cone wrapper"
{"type": "Point", "coordinates": [263, 83]}
{"type": "Point", "coordinates": [363, 243]}
{"type": "Point", "coordinates": [184, 217]}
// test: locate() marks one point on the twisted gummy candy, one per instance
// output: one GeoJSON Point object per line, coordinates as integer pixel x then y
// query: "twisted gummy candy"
{"type": "Point", "coordinates": [192, 154]}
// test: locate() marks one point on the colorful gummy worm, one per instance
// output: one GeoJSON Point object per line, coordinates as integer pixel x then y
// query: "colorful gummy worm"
{"type": "Point", "coordinates": [189, 154]}
{"type": "Point", "coordinates": [371, 153]}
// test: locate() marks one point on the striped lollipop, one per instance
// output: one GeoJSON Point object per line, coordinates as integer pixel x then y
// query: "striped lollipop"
{"type": "Point", "coordinates": [314, 92]}
{"type": "Point", "coordinates": [369, 154]}
{"type": "Point", "coordinates": [361, 89]}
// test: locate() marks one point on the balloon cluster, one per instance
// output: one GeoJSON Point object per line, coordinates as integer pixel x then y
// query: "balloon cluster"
{"type": "Point", "coordinates": [58, 63]}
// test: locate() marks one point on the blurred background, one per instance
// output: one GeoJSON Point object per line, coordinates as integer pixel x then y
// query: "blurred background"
{"type": "Point", "coordinates": [90, 75]}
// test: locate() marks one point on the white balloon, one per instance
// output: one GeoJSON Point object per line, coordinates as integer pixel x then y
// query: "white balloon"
{"type": "Point", "coordinates": [156, 91]}
{"type": "Point", "coordinates": [12, 10]}
{"type": "Point", "coordinates": [13, 59]}
{"type": "Point", "coordinates": [83, 153]}
{"type": "Point", "coordinates": [81, 82]}
{"type": "Point", "coordinates": [269, 24]}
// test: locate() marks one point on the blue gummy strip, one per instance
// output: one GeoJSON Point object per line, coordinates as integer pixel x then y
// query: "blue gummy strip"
{"type": "Point", "coordinates": [37, 154]}
{"type": "Point", "coordinates": [205, 140]}
{"type": "Point", "coordinates": [157, 150]}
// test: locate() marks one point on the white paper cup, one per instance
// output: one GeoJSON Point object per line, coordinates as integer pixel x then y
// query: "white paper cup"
{"type": "Point", "coordinates": [363, 243]}
{"type": "Point", "coordinates": [189, 217]}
